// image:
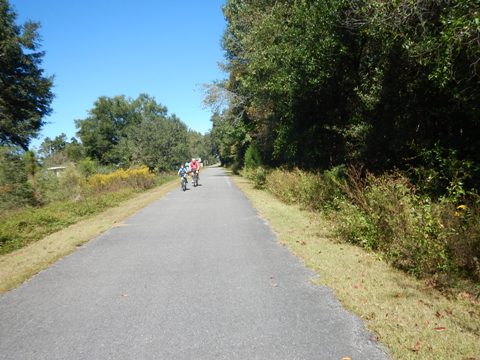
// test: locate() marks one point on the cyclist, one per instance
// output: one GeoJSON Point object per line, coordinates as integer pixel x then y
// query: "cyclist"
{"type": "Point", "coordinates": [182, 172]}
{"type": "Point", "coordinates": [195, 168]}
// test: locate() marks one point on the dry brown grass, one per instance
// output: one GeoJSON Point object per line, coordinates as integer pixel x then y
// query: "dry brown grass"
{"type": "Point", "coordinates": [20, 265]}
{"type": "Point", "coordinates": [410, 318]}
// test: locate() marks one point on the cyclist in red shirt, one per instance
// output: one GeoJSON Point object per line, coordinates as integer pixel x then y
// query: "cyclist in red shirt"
{"type": "Point", "coordinates": [195, 167]}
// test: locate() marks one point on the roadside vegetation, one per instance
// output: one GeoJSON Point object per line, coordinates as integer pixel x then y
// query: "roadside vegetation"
{"type": "Point", "coordinates": [74, 198]}
{"type": "Point", "coordinates": [408, 315]}
{"type": "Point", "coordinates": [437, 240]}
{"type": "Point", "coordinates": [22, 264]}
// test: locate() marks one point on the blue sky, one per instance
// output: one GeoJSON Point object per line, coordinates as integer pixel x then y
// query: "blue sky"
{"type": "Point", "coordinates": [94, 48]}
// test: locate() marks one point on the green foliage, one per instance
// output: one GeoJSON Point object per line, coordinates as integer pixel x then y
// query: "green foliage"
{"type": "Point", "coordinates": [229, 139]}
{"type": "Point", "coordinates": [87, 167]}
{"type": "Point", "coordinates": [258, 175]}
{"type": "Point", "coordinates": [33, 224]}
{"type": "Point", "coordinates": [106, 125]}
{"type": "Point", "coordinates": [355, 227]}
{"type": "Point", "coordinates": [15, 189]}
{"type": "Point", "coordinates": [199, 146]}
{"type": "Point", "coordinates": [252, 157]}
{"type": "Point", "coordinates": [25, 93]}
{"type": "Point", "coordinates": [74, 150]}
{"type": "Point", "coordinates": [446, 175]}
{"type": "Point", "coordinates": [131, 132]}
{"type": "Point", "coordinates": [315, 191]}
{"type": "Point", "coordinates": [159, 143]}
{"type": "Point", "coordinates": [439, 240]}
{"type": "Point", "coordinates": [411, 231]}
{"type": "Point", "coordinates": [69, 198]}
{"type": "Point", "coordinates": [49, 147]}
{"type": "Point", "coordinates": [323, 83]}
{"type": "Point", "coordinates": [60, 151]}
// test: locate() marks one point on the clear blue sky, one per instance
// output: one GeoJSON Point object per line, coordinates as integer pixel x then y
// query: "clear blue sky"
{"type": "Point", "coordinates": [165, 48]}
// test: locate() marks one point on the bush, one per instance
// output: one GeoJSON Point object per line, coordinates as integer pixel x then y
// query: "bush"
{"type": "Point", "coordinates": [439, 240]}
{"type": "Point", "coordinates": [87, 167]}
{"type": "Point", "coordinates": [310, 190]}
{"type": "Point", "coordinates": [252, 157]}
{"type": "Point", "coordinates": [236, 167]}
{"type": "Point", "coordinates": [355, 227]}
{"type": "Point", "coordinates": [68, 185]}
{"type": "Point", "coordinates": [257, 175]}
{"type": "Point", "coordinates": [446, 175]}
{"type": "Point", "coordinates": [15, 189]}
{"type": "Point", "coordinates": [425, 238]}
{"type": "Point", "coordinates": [139, 178]}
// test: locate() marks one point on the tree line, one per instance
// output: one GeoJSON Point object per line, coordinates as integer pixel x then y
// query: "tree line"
{"type": "Point", "coordinates": [119, 132]}
{"type": "Point", "coordinates": [386, 84]}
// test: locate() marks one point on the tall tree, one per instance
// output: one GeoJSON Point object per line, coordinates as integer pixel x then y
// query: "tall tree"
{"type": "Point", "coordinates": [128, 131]}
{"type": "Point", "coordinates": [159, 142]}
{"type": "Point", "coordinates": [106, 125]}
{"type": "Point", "coordinates": [49, 147]}
{"type": "Point", "coordinates": [25, 92]}
{"type": "Point", "coordinates": [319, 83]}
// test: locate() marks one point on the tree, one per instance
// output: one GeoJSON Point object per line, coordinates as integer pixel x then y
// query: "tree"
{"type": "Point", "coordinates": [230, 138]}
{"type": "Point", "coordinates": [49, 147]}
{"type": "Point", "coordinates": [74, 150]}
{"type": "Point", "coordinates": [15, 189]}
{"type": "Point", "coordinates": [158, 142]}
{"type": "Point", "coordinates": [59, 150]}
{"type": "Point", "coordinates": [321, 83]}
{"type": "Point", "coordinates": [25, 92]}
{"type": "Point", "coordinates": [110, 122]}
{"type": "Point", "coordinates": [106, 125]}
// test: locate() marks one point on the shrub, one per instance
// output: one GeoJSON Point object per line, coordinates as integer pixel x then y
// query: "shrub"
{"type": "Point", "coordinates": [446, 174]}
{"type": "Point", "coordinates": [416, 234]}
{"type": "Point", "coordinates": [252, 157]}
{"type": "Point", "coordinates": [236, 167]}
{"type": "Point", "coordinates": [284, 185]}
{"type": "Point", "coordinates": [354, 226]}
{"type": "Point", "coordinates": [15, 189]}
{"type": "Point", "coordinates": [462, 226]}
{"type": "Point", "coordinates": [68, 185]}
{"type": "Point", "coordinates": [87, 167]}
{"type": "Point", "coordinates": [257, 175]}
{"type": "Point", "coordinates": [315, 191]}
{"type": "Point", "coordinates": [435, 239]}
{"type": "Point", "coordinates": [136, 178]}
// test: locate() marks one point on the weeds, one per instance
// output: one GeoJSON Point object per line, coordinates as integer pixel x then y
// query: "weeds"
{"type": "Point", "coordinates": [69, 198]}
{"type": "Point", "coordinates": [32, 224]}
{"type": "Point", "coordinates": [413, 320]}
{"type": "Point", "coordinates": [434, 239]}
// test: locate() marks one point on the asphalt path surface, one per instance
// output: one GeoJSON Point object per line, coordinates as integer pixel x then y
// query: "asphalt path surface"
{"type": "Point", "coordinates": [195, 275]}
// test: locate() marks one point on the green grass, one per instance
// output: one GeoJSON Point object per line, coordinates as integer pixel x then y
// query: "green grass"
{"type": "Point", "coordinates": [32, 224]}
{"type": "Point", "coordinates": [413, 320]}
{"type": "Point", "coordinates": [18, 266]}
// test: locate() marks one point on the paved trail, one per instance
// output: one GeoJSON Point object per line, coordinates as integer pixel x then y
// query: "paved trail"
{"type": "Point", "coordinates": [151, 289]}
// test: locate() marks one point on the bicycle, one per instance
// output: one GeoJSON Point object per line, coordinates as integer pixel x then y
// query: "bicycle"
{"type": "Point", "coordinates": [195, 178]}
{"type": "Point", "coordinates": [183, 182]}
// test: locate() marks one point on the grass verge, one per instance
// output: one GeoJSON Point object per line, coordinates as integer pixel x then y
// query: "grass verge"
{"type": "Point", "coordinates": [28, 225]}
{"type": "Point", "coordinates": [410, 318]}
{"type": "Point", "coordinates": [20, 265]}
